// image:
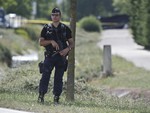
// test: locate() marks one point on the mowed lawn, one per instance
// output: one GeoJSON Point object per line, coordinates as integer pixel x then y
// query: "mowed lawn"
{"type": "Point", "coordinates": [19, 87]}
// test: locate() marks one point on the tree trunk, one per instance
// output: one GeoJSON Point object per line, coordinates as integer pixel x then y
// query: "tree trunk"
{"type": "Point", "coordinates": [71, 58]}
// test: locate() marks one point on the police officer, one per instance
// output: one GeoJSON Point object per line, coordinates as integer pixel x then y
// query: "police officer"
{"type": "Point", "coordinates": [57, 40]}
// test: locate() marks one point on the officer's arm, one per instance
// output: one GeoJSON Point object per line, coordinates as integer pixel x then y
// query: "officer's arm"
{"type": "Point", "coordinates": [65, 51]}
{"type": "Point", "coordinates": [71, 43]}
{"type": "Point", "coordinates": [44, 42]}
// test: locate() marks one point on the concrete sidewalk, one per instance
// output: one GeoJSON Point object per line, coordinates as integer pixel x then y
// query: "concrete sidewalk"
{"type": "Point", "coordinates": [5, 110]}
{"type": "Point", "coordinates": [123, 45]}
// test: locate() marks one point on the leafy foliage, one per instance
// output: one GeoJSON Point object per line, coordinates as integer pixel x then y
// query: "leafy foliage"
{"type": "Point", "coordinates": [94, 7]}
{"type": "Point", "coordinates": [33, 34]}
{"type": "Point", "coordinates": [88, 7]}
{"type": "Point", "coordinates": [22, 32]}
{"type": "Point", "coordinates": [20, 7]}
{"type": "Point", "coordinates": [44, 8]}
{"type": "Point", "coordinates": [139, 12]}
{"type": "Point", "coordinates": [90, 24]}
{"type": "Point", "coordinates": [5, 55]}
{"type": "Point", "coordinates": [19, 42]}
{"type": "Point", "coordinates": [121, 6]}
{"type": "Point", "coordinates": [29, 32]}
{"type": "Point", "coordinates": [24, 7]}
{"type": "Point", "coordinates": [140, 21]}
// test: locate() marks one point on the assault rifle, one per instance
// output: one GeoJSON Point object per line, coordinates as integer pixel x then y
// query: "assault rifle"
{"type": "Point", "coordinates": [59, 42]}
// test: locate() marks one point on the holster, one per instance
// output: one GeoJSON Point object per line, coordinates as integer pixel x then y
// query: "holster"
{"type": "Point", "coordinates": [41, 67]}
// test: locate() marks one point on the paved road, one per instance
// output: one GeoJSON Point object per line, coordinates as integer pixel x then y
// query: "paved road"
{"type": "Point", "coordinates": [4, 110]}
{"type": "Point", "coordinates": [123, 45]}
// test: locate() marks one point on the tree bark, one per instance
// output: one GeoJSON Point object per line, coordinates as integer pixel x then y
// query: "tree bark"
{"type": "Point", "coordinates": [71, 57]}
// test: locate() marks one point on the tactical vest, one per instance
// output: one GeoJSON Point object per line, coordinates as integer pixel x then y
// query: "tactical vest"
{"type": "Point", "coordinates": [50, 35]}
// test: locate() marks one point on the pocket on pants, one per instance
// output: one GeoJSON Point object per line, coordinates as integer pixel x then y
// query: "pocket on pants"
{"type": "Point", "coordinates": [66, 65]}
{"type": "Point", "coordinates": [62, 63]}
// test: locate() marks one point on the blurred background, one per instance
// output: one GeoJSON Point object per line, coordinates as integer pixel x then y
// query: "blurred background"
{"type": "Point", "coordinates": [21, 22]}
{"type": "Point", "coordinates": [95, 15]}
{"type": "Point", "coordinates": [21, 15]}
{"type": "Point", "coordinates": [40, 9]}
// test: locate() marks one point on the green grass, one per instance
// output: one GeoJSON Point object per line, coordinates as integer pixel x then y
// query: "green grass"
{"type": "Point", "coordinates": [17, 44]}
{"type": "Point", "coordinates": [126, 75]}
{"type": "Point", "coordinates": [19, 87]}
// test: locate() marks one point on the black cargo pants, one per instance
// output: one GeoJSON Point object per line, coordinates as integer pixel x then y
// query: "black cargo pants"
{"type": "Point", "coordinates": [59, 64]}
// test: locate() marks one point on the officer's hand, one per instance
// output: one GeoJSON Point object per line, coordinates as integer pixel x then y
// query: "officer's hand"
{"type": "Point", "coordinates": [64, 52]}
{"type": "Point", "coordinates": [55, 45]}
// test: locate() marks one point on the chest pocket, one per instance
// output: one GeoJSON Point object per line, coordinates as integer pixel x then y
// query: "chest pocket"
{"type": "Point", "coordinates": [51, 32]}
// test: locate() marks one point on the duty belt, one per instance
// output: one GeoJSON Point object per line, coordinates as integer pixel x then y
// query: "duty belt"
{"type": "Point", "coordinates": [50, 54]}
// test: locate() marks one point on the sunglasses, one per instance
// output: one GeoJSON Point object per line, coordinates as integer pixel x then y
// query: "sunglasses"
{"type": "Point", "coordinates": [55, 14]}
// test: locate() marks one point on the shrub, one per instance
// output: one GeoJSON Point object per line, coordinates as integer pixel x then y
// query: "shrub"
{"type": "Point", "coordinates": [31, 32]}
{"type": "Point", "coordinates": [28, 32]}
{"type": "Point", "coordinates": [140, 21]}
{"type": "Point", "coordinates": [90, 23]}
{"type": "Point", "coordinates": [5, 55]}
{"type": "Point", "coordinates": [22, 32]}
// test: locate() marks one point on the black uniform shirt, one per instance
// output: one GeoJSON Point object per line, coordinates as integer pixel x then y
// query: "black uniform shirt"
{"type": "Point", "coordinates": [61, 33]}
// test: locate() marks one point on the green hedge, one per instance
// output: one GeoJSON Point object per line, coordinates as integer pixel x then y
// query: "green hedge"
{"type": "Point", "coordinates": [90, 23]}
{"type": "Point", "coordinates": [140, 21]}
{"type": "Point", "coordinates": [31, 32]}
{"type": "Point", "coordinates": [5, 55]}
{"type": "Point", "coordinates": [28, 32]}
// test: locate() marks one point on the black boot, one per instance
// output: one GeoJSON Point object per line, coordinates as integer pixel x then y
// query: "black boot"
{"type": "Point", "coordinates": [41, 98]}
{"type": "Point", "coordinates": [56, 100]}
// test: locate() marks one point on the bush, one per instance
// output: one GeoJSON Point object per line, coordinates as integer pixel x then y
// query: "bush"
{"type": "Point", "coordinates": [5, 55]}
{"type": "Point", "coordinates": [140, 21]}
{"type": "Point", "coordinates": [22, 32]}
{"type": "Point", "coordinates": [28, 32]}
{"type": "Point", "coordinates": [32, 33]}
{"type": "Point", "coordinates": [90, 23]}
